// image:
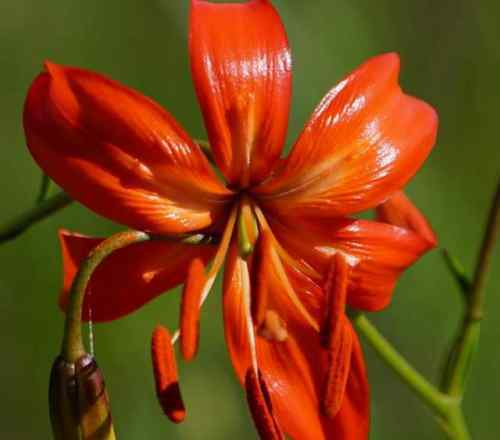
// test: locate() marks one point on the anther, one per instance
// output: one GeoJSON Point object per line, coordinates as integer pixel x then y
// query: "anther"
{"type": "Point", "coordinates": [336, 296]}
{"type": "Point", "coordinates": [339, 358]}
{"type": "Point", "coordinates": [273, 328]}
{"type": "Point", "coordinates": [336, 336]}
{"type": "Point", "coordinates": [259, 402]}
{"type": "Point", "coordinates": [165, 375]}
{"type": "Point", "coordinates": [190, 309]}
{"type": "Point", "coordinates": [262, 265]}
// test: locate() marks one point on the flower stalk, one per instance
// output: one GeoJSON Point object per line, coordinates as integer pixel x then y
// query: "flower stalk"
{"type": "Point", "coordinates": [468, 337]}
{"type": "Point", "coordinates": [72, 346]}
{"type": "Point", "coordinates": [44, 188]}
{"type": "Point", "coordinates": [40, 211]}
{"type": "Point", "coordinates": [78, 401]}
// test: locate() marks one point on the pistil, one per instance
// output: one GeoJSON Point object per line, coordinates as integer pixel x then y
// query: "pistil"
{"type": "Point", "coordinates": [220, 255]}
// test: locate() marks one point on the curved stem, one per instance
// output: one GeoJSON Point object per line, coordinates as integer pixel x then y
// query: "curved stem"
{"type": "Point", "coordinates": [446, 407]}
{"type": "Point", "coordinates": [38, 212]}
{"type": "Point", "coordinates": [427, 392]}
{"type": "Point", "coordinates": [72, 346]}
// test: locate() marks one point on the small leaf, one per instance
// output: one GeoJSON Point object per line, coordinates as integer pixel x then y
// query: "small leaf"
{"type": "Point", "coordinates": [458, 271]}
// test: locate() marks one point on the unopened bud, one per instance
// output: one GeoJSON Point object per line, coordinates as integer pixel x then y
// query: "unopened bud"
{"type": "Point", "coordinates": [79, 405]}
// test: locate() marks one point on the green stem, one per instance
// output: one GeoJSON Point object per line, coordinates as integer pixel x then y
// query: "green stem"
{"type": "Point", "coordinates": [44, 188]}
{"type": "Point", "coordinates": [468, 337]}
{"type": "Point", "coordinates": [438, 401]}
{"type": "Point", "coordinates": [38, 212]}
{"type": "Point", "coordinates": [72, 346]}
{"type": "Point", "coordinates": [446, 407]}
{"type": "Point", "coordinates": [455, 426]}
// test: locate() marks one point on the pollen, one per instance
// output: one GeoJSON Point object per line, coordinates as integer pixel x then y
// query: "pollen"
{"type": "Point", "coordinates": [165, 375]}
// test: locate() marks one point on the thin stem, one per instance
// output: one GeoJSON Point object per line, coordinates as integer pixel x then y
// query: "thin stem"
{"type": "Point", "coordinates": [427, 392]}
{"type": "Point", "coordinates": [447, 408]}
{"type": "Point", "coordinates": [455, 426]}
{"type": "Point", "coordinates": [72, 346]}
{"type": "Point", "coordinates": [468, 337]}
{"type": "Point", "coordinates": [475, 309]}
{"type": "Point", "coordinates": [44, 188]}
{"type": "Point", "coordinates": [28, 218]}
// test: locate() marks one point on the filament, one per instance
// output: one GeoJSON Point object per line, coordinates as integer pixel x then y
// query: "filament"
{"type": "Point", "coordinates": [220, 255]}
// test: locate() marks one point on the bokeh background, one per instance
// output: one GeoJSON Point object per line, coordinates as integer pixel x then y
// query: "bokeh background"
{"type": "Point", "coordinates": [450, 58]}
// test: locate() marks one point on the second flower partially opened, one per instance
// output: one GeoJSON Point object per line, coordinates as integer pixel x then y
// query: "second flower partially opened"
{"type": "Point", "coordinates": [293, 257]}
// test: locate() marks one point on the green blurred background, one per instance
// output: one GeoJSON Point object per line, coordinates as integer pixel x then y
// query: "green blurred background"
{"type": "Point", "coordinates": [450, 58]}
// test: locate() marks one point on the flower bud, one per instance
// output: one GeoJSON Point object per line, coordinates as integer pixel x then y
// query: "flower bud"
{"type": "Point", "coordinates": [79, 406]}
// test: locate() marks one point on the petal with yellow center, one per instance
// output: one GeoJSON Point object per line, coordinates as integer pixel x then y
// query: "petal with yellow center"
{"type": "Point", "coordinates": [241, 68]}
{"type": "Point", "coordinates": [365, 141]}
{"type": "Point", "coordinates": [119, 153]}
{"type": "Point", "coordinates": [377, 252]}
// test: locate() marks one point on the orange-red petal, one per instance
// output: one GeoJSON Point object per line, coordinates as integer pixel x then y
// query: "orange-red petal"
{"type": "Point", "coordinates": [364, 141]}
{"type": "Point", "coordinates": [400, 211]}
{"type": "Point", "coordinates": [119, 153]}
{"type": "Point", "coordinates": [377, 252]}
{"type": "Point", "coordinates": [295, 369]}
{"type": "Point", "coordinates": [241, 68]}
{"type": "Point", "coordinates": [130, 277]}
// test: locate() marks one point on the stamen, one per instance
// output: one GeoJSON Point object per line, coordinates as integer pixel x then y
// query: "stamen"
{"type": "Point", "coordinates": [220, 255]}
{"type": "Point", "coordinates": [281, 273]}
{"type": "Point", "coordinates": [259, 402]}
{"type": "Point", "coordinates": [338, 370]}
{"type": "Point", "coordinates": [190, 309]}
{"type": "Point", "coordinates": [260, 282]}
{"type": "Point", "coordinates": [245, 286]}
{"type": "Point", "coordinates": [284, 255]}
{"type": "Point", "coordinates": [165, 374]}
{"type": "Point", "coordinates": [273, 327]}
{"type": "Point", "coordinates": [336, 292]}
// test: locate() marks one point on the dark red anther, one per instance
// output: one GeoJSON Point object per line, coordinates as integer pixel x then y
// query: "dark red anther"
{"type": "Point", "coordinates": [339, 358]}
{"type": "Point", "coordinates": [259, 402]}
{"type": "Point", "coordinates": [165, 374]}
{"type": "Point", "coordinates": [336, 294]}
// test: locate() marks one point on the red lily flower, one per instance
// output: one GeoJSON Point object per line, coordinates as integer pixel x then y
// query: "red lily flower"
{"type": "Point", "coordinates": [124, 157]}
